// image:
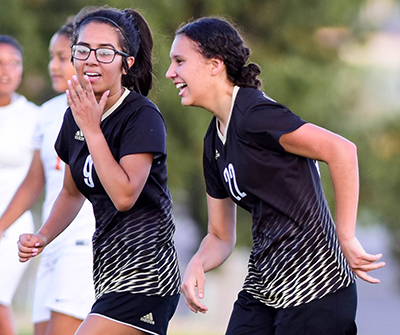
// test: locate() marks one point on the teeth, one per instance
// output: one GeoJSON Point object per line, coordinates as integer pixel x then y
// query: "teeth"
{"type": "Point", "coordinates": [180, 85]}
{"type": "Point", "coordinates": [91, 74]}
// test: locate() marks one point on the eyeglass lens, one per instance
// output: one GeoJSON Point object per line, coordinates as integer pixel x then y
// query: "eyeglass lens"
{"type": "Point", "coordinates": [103, 55]}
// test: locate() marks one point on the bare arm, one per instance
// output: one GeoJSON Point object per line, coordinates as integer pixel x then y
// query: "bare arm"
{"type": "Point", "coordinates": [213, 251]}
{"type": "Point", "coordinates": [124, 180]}
{"type": "Point", "coordinates": [341, 157]}
{"type": "Point", "coordinates": [64, 210]}
{"type": "Point", "coordinates": [26, 195]}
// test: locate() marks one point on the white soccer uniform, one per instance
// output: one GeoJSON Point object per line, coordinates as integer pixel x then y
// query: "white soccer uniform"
{"type": "Point", "coordinates": [17, 123]}
{"type": "Point", "coordinates": [64, 281]}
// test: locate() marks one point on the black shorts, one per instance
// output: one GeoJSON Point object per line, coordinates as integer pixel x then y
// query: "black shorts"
{"type": "Point", "coordinates": [150, 314]}
{"type": "Point", "coordinates": [334, 314]}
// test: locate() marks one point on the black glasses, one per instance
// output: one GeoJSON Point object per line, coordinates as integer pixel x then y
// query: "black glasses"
{"type": "Point", "coordinates": [103, 55]}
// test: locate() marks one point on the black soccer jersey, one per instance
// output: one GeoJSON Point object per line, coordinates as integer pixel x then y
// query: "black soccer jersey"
{"type": "Point", "coordinates": [296, 256]}
{"type": "Point", "coordinates": [133, 250]}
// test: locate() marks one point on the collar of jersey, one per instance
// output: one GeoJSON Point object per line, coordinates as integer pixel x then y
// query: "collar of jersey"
{"type": "Point", "coordinates": [116, 105]}
{"type": "Point", "coordinates": [221, 136]}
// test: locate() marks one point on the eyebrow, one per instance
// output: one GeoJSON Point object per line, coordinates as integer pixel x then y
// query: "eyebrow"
{"type": "Point", "coordinates": [175, 56]}
{"type": "Point", "coordinates": [100, 45]}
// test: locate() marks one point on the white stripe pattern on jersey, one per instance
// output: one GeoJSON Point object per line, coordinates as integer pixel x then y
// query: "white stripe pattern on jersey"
{"type": "Point", "coordinates": [304, 263]}
{"type": "Point", "coordinates": [137, 256]}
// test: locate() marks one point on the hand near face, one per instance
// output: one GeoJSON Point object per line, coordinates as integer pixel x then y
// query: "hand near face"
{"type": "Point", "coordinates": [87, 111]}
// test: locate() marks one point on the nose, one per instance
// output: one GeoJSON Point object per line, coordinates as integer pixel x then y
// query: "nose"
{"type": "Point", "coordinates": [170, 72]}
{"type": "Point", "coordinates": [53, 64]}
{"type": "Point", "coordinates": [92, 57]}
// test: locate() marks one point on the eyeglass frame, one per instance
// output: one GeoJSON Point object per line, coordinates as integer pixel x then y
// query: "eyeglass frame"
{"type": "Point", "coordinates": [95, 53]}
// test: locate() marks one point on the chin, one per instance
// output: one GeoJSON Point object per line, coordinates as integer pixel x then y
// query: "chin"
{"type": "Point", "coordinates": [186, 102]}
{"type": "Point", "coordinates": [59, 88]}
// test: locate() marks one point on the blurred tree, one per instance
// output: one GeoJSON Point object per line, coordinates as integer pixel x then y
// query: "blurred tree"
{"type": "Point", "coordinates": [296, 44]}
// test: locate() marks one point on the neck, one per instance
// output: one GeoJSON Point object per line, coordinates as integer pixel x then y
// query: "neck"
{"type": "Point", "coordinates": [5, 100]}
{"type": "Point", "coordinates": [113, 98]}
{"type": "Point", "coordinates": [222, 108]}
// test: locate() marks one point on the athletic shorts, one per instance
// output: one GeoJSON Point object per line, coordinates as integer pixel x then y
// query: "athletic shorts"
{"type": "Point", "coordinates": [11, 269]}
{"type": "Point", "coordinates": [334, 314]}
{"type": "Point", "coordinates": [64, 283]}
{"type": "Point", "coordinates": [150, 314]}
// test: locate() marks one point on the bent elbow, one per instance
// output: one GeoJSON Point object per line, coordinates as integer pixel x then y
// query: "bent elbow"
{"type": "Point", "coordinates": [351, 149]}
{"type": "Point", "coordinates": [124, 205]}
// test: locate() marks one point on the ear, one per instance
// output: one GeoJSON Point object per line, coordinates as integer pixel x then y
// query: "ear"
{"type": "Point", "coordinates": [130, 61]}
{"type": "Point", "coordinates": [217, 65]}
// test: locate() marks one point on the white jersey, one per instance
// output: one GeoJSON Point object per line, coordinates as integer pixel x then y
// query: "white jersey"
{"type": "Point", "coordinates": [81, 229]}
{"type": "Point", "coordinates": [17, 123]}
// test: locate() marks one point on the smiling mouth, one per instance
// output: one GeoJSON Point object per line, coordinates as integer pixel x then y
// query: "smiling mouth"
{"type": "Point", "coordinates": [180, 86]}
{"type": "Point", "coordinates": [92, 74]}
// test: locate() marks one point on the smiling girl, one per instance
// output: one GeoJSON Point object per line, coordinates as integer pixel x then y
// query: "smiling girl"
{"type": "Point", "coordinates": [113, 141]}
{"type": "Point", "coordinates": [262, 157]}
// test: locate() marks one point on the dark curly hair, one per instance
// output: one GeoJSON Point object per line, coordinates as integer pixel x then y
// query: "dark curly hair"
{"type": "Point", "coordinates": [216, 38]}
{"type": "Point", "coordinates": [135, 39]}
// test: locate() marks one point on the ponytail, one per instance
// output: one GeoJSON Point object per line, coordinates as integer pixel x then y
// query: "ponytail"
{"type": "Point", "coordinates": [248, 76]}
{"type": "Point", "coordinates": [140, 75]}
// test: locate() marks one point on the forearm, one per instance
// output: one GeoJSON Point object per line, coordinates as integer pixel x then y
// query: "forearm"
{"type": "Point", "coordinates": [213, 252]}
{"type": "Point", "coordinates": [221, 238]}
{"type": "Point", "coordinates": [22, 201]}
{"type": "Point", "coordinates": [113, 177]}
{"type": "Point", "coordinates": [26, 195]}
{"type": "Point", "coordinates": [345, 179]}
{"type": "Point", "coordinates": [63, 212]}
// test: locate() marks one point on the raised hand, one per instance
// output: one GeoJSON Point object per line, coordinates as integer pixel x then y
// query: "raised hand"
{"type": "Point", "coordinates": [87, 111]}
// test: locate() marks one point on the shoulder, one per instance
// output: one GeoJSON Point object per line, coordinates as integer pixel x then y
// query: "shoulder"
{"type": "Point", "coordinates": [55, 106]}
{"type": "Point", "coordinates": [22, 101]}
{"type": "Point", "coordinates": [25, 110]}
{"type": "Point", "coordinates": [137, 105]}
{"type": "Point", "coordinates": [59, 101]}
{"type": "Point", "coordinates": [253, 104]}
{"type": "Point", "coordinates": [250, 97]}
{"type": "Point", "coordinates": [138, 101]}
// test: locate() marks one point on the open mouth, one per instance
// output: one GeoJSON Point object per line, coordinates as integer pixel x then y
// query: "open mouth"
{"type": "Point", "coordinates": [4, 79]}
{"type": "Point", "coordinates": [92, 74]}
{"type": "Point", "coordinates": [181, 86]}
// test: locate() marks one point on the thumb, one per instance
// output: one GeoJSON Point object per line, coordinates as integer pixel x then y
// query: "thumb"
{"type": "Point", "coordinates": [25, 239]}
{"type": "Point", "coordinates": [200, 289]}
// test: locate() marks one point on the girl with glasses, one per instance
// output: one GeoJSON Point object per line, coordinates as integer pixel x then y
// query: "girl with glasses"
{"type": "Point", "coordinates": [18, 117]}
{"type": "Point", "coordinates": [113, 141]}
{"type": "Point", "coordinates": [64, 291]}
{"type": "Point", "coordinates": [262, 157]}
